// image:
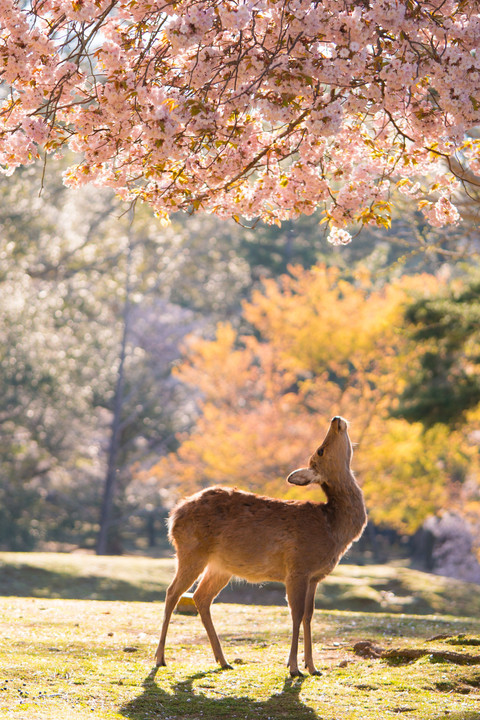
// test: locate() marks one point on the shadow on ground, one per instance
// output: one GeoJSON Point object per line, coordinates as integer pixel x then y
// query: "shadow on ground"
{"type": "Point", "coordinates": [183, 702]}
{"type": "Point", "coordinates": [367, 590]}
{"type": "Point", "coordinates": [32, 581]}
{"type": "Point", "coordinates": [25, 580]}
{"type": "Point", "coordinates": [468, 715]}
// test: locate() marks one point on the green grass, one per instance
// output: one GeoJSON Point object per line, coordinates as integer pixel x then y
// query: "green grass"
{"type": "Point", "coordinates": [62, 659]}
{"type": "Point", "coordinates": [65, 655]}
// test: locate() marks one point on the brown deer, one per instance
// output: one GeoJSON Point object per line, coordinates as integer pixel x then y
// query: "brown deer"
{"type": "Point", "coordinates": [220, 532]}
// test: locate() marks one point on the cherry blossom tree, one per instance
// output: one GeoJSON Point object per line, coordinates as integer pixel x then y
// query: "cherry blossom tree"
{"type": "Point", "coordinates": [249, 108]}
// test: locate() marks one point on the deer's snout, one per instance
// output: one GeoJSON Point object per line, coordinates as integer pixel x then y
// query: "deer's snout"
{"type": "Point", "coordinates": [339, 423]}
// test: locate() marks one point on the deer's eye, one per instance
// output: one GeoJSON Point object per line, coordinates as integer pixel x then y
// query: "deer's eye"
{"type": "Point", "coordinates": [320, 451]}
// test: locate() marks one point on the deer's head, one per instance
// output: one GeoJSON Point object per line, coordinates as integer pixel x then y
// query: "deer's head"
{"type": "Point", "coordinates": [330, 461]}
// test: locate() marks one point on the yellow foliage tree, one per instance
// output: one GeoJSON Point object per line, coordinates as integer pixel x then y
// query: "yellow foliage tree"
{"type": "Point", "coordinates": [321, 346]}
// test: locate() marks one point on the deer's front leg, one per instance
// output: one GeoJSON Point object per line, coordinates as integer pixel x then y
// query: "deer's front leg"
{"type": "Point", "coordinates": [307, 628]}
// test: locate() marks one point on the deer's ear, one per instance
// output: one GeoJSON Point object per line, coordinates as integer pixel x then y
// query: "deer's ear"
{"type": "Point", "coordinates": [303, 476]}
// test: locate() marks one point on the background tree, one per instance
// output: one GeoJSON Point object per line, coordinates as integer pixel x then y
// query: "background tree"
{"type": "Point", "coordinates": [50, 369]}
{"type": "Point", "coordinates": [445, 383]}
{"type": "Point", "coordinates": [62, 284]}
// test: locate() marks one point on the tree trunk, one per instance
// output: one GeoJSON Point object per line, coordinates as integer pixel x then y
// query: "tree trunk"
{"type": "Point", "coordinates": [103, 545]}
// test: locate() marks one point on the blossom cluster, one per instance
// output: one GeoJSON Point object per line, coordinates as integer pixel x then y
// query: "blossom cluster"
{"type": "Point", "coordinates": [253, 108]}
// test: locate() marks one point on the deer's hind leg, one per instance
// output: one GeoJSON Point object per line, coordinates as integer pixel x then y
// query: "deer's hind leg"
{"type": "Point", "coordinates": [211, 582]}
{"type": "Point", "coordinates": [189, 568]}
{"type": "Point", "coordinates": [297, 588]}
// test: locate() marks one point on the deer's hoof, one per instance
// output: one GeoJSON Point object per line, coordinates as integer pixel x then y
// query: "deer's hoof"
{"type": "Point", "coordinates": [296, 673]}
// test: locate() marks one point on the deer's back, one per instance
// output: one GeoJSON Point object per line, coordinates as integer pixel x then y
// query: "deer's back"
{"type": "Point", "coordinates": [252, 536]}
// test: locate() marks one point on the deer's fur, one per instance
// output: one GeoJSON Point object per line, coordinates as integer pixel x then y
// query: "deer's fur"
{"type": "Point", "coordinates": [220, 532]}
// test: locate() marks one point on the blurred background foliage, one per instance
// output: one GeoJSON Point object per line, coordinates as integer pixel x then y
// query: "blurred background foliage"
{"type": "Point", "coordinates": [215, 353]}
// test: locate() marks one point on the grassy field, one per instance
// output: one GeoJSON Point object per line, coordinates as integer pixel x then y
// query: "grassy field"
{"type": "Point", "coordinates": [81, 658]}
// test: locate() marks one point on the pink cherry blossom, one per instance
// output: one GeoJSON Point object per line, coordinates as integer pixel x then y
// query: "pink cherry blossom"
{"type": "Point", "coordinates": [339, 236]}
{"type": "Point", "coordinates": [441, 213]}
{"type": "Point", "coordinates": [253, 108]}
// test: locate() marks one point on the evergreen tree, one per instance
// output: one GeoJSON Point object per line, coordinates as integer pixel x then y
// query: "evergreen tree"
{"type": "Point", "coordinates": [445, 383]}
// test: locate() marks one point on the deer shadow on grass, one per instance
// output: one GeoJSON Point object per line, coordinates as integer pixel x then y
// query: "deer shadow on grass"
{"type": "Point", "coordinates": [462, 715]}
{"type": "Point", "coordinates": [182, 701]}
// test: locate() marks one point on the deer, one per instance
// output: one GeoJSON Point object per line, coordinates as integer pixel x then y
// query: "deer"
{"type": "Point", "coordinates": [222, 532]}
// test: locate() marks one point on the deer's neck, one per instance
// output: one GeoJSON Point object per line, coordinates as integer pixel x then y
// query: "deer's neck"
{"type": "Point", "coordinates": [345, 509]}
